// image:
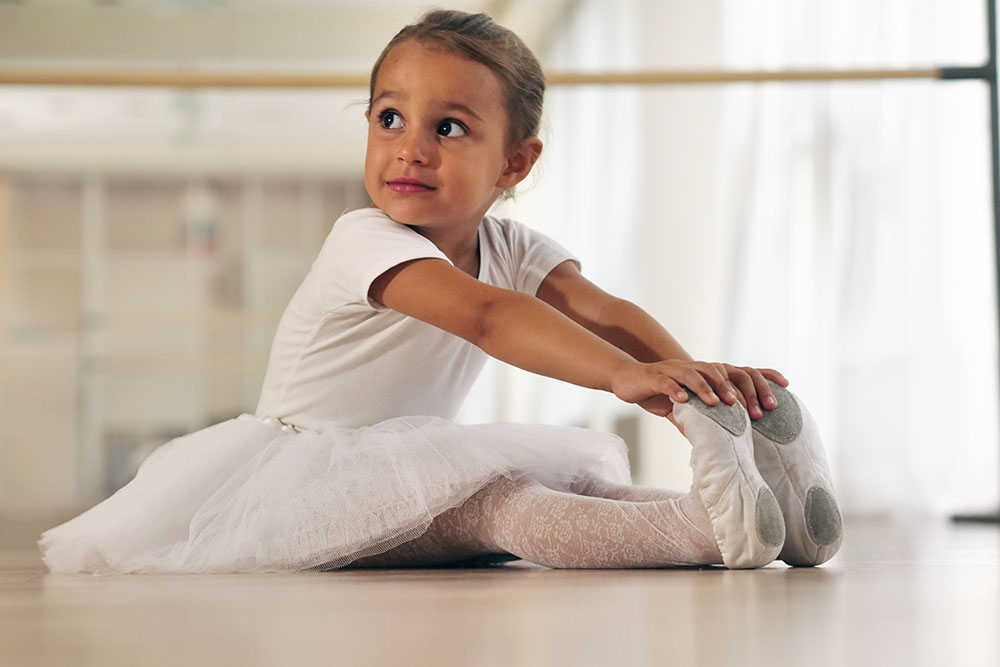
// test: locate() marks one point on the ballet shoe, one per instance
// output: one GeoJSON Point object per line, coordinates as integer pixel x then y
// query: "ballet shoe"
{"type": "Point", "coordinates": [791, 459]}
{"type": "Point", "coordinates": [746, 520]}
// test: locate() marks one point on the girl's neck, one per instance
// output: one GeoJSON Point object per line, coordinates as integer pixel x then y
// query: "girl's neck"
{"type": "Point", "coordinates": [461, 246]}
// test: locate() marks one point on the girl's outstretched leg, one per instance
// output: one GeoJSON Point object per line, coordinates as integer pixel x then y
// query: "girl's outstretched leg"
{"type": "Point", "coordinates": [599, 488]}
{"type": "Point", "coordinates": [453, 536]}
{"type": "Point", "coordinates": [566, 530]}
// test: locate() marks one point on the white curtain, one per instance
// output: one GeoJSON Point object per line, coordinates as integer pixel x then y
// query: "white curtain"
{"type": "Point", "coordinates": [860, 256]}
{"type": "Point", "coordinates": [863, 253]}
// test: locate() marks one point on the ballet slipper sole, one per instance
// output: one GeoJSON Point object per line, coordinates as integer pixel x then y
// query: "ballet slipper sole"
{"type": "Point", "coordinates": [790, 457]}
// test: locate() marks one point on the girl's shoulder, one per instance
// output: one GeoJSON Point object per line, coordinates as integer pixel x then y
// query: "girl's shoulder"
{"type": "Point", "coordinates": [520, 255]}
{"type": "Point", "coordinates": [365, 225]}
{"type": "Point", "coordinates": [505, 231]}
{"type": "Point", "coordinates": [361, 245]}
{"type": "Point", "coordinates": [514, 234]}
{"type": "Point", "coordinates": [363, 216]}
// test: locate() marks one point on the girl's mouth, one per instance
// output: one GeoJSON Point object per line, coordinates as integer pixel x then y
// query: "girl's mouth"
{"type": "Point", "coordinates": [408, 186]}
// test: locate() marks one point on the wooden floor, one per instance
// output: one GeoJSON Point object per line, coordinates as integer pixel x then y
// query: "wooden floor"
{"type": "Point", "coordinates": [896, 595]}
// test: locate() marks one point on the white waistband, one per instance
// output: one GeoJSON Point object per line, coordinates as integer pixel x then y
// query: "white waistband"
{"type": "Point", "coordinates": [274, 421]}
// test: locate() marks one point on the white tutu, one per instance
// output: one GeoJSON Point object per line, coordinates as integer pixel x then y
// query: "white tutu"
{"type": "Point", "coordinates": [247, 495]}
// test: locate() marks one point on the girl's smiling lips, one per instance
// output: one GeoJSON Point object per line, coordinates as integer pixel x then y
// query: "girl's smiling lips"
{"type": "Point", "coordinates": [408, 185]}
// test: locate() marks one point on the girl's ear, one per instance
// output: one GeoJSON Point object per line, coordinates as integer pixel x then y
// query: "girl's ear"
{"type": "Point", "coordinates": [519, 162]}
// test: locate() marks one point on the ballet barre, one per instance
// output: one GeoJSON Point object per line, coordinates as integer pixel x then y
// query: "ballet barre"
{"type": "Point", "coordinates": [159, 78]}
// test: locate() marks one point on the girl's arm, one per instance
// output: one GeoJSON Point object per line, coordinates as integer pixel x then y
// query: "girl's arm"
{"type": "Point", "coordinates": [631, 329]}
{"type": "Point", "coordinates": [529, 333]}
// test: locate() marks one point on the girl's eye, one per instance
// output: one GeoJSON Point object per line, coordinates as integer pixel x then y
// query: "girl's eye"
{"type": "Point", "coordinates": [390, 120]}
{"type": "Point", "coordinates": [451, 128]}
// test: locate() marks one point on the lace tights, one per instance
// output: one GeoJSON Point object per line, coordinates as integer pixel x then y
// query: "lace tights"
{"type": "Point", "coordinates": [599, 525]}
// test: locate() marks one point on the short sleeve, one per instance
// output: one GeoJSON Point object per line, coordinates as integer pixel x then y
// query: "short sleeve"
{"type": "Point", "coordinates": [363, 245]}
{"type": "Point", "coordinates": [526, 256]}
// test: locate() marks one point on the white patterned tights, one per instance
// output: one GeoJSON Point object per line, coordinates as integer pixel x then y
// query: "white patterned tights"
{"type": "Point", "coordinates": [600, 525]}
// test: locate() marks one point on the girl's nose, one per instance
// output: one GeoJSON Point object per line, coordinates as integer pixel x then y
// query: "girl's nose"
{"type": "Point", "coordinates": [414, 149]}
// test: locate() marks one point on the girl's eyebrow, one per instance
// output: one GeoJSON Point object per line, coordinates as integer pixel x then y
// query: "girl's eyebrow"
{"type": "Point", "coordinates": [448, 106]}
{"type": "Point", "coordinates": [387, 93]}
{"type": "Point", "coordinates": [461, 107]}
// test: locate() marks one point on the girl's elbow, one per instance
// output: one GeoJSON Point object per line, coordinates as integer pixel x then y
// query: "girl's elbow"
{"type": "Point", "coordinates": [493, 317]}
{"type": "Point", "coordinates": [484, 323]}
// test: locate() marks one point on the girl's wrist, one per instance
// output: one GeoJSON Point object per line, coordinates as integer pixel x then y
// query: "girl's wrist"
{"type": "Point", "coordinates": [625, 368]}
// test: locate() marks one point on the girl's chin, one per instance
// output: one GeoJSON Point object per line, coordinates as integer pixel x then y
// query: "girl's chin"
{"type": "Point", "coordinates": [420, 216]}
{"type": "Point", "coordinates": [402, 217]}
{"type": "Point", "coordinates": [406, 215]}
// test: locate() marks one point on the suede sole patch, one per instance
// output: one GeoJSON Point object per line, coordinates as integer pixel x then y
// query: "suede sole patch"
{"type": "Point", "coordinates": [730, 417]}
{"type": "Point", "coordinates": [770, 522]}
{"type": "Point", "coordinates": [784, 423]}
{"type": "Point", "coordinates": [823, 519]}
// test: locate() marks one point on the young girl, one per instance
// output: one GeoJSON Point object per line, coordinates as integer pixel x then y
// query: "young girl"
{"type": "Point", "coordinates": [351, 458]}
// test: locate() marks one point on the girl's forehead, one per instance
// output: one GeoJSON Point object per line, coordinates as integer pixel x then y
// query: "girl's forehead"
{"type": "Point", "coordinates": [415, 63]}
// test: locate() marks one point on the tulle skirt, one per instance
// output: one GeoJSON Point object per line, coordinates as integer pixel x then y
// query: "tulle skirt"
{"type": "Point", "coordinates": [248, 495]}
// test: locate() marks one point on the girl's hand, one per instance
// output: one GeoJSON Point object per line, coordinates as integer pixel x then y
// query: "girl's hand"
{"type": "Point", "coordinates": [655, 387]}
{"type": "Point", "coordinates": [751, 387]}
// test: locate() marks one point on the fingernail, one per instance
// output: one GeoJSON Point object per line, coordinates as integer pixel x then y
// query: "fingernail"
{"type": "Point", "coordinates": [770, 402]}
{"type": "Point", "coordinates": [681, 396]}
{"type": "Point", "coordinates": [756, 412]}
{"type": "Point", "coordinates": [730, 396]}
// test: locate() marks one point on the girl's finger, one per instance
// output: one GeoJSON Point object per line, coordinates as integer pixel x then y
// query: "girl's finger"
{"type": "Point", "coordinates": [696, 382]}
{"type": "Point", "coordinates": [748, 388]}
{"type": "Point", "coordinates": [736, 378]}
{"type": "Point", "coordinates": [717, 379]}
{"type": "Point", "coordinates": [727, 390]}
{"type": "Point", "coordinates": [672, 389]}
{"type": "Point", "coordinates": [774, 376]}
{"type": "Point", "coordinates": [764, 393]}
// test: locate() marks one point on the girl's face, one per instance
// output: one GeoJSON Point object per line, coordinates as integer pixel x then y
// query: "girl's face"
{"type": "Point", "coordinates": [437, 132]}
